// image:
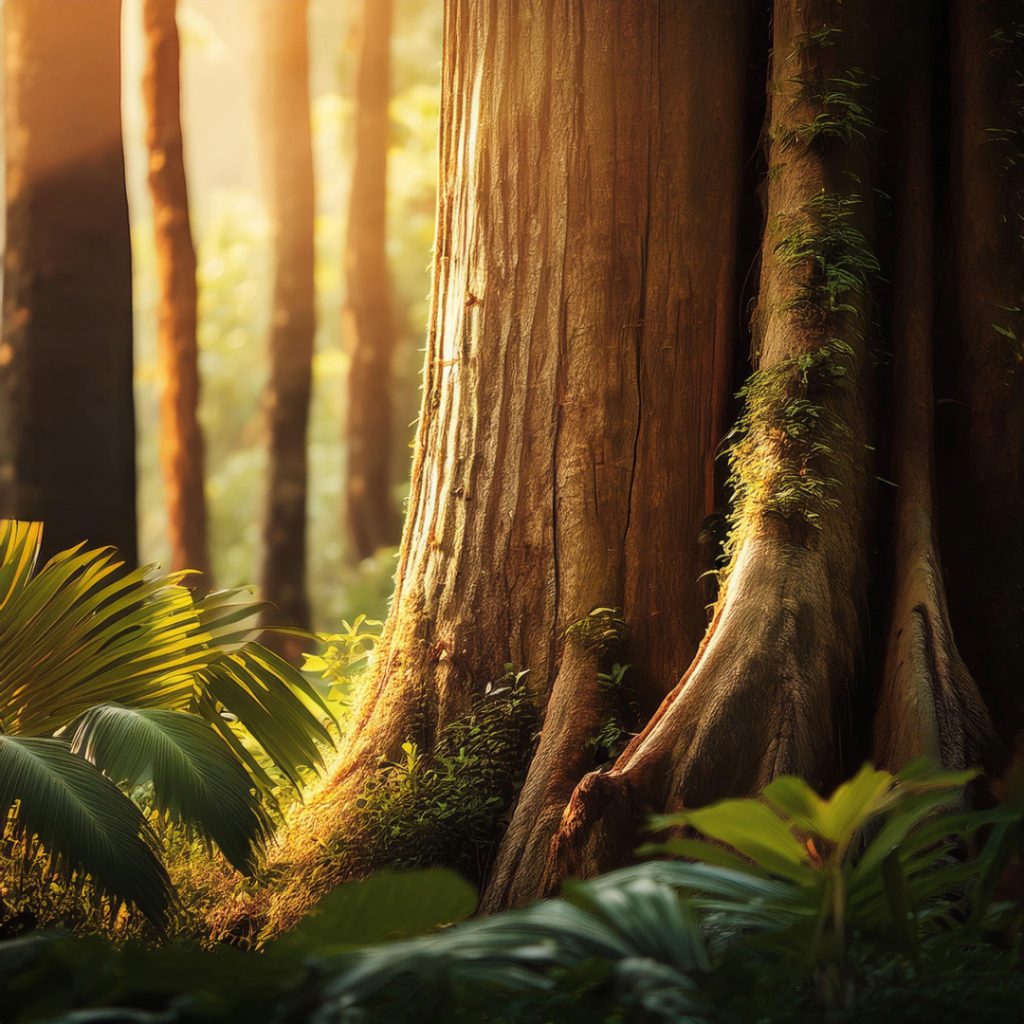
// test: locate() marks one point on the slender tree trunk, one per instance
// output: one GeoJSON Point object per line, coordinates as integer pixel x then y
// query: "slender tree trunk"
{"type": "Point", "coordinates": [67, 421]}
{"type": "Point", "coordinates": [288, 159]}
{"type": "Point", "coordinates": [181, 437]}
{"type": "Point", "coordinates": [372, 519]}
{"type": "Point", "coordinates": [929, 705]}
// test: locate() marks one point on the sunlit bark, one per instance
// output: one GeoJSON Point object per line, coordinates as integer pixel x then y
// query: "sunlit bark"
{"type": "Point", "coordinates": [181, 438]}
{"type": "Point", "coordinates": [371, 516]}
{"type": "Point", "coordinates": [288, 160]}
{"type": "Point", "coordinates": [67, 421]}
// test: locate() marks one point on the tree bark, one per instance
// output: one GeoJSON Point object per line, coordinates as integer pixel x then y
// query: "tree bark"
{"type": "Point", "coordinates": [288, 159]}
{"type": "Point", "coordinates": [983, 481]}
{"type": "Point", "coordinates": [181, 437]}
{"type": "Point", "coordinates": [371, 515]}
{"type": "Point", "coordinates": [67, 420]}
{"type": "Point", "coordinates": [929, 705]}
{"type": "Point", "coordinates": [763, 696]}
{"type": "Point", "coordinates": [576, 379]}
{"type": "Point", "coordinates": [588, 272]}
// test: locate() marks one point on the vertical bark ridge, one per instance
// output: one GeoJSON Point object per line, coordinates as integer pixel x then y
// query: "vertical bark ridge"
{"type": "Point", "coordinates": [929, 704]}
{"type": "Point", "coordinates": [984, 478]}
{"type": "Point", "coordinates": [181, 437]}
{"type": "Point", "coordinates": [783, 650]}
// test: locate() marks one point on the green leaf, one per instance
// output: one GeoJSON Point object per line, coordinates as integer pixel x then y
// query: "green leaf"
{"type": "Point", "coordinates": [384, 906]}
{"type": "Point", "coordinates": [757, 832]}
{"type": "Point", "coordinates": [84, 822]}
{"type": "Point", "coordinates": [196, 778]}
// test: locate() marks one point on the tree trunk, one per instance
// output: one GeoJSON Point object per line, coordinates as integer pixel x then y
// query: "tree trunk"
{"type": "Point", "coordinates": [589, 260]}
{"type": "Point", "coordinates": [371, 515]}
{"type": "Point", "coordinates": [67, 420]}
{"type": "Point", "coordinates": [288, 159]}
{"type": "Point", "coordinates": [929, 705]}
{"type": "Point", "coordinates": [181, 437]}
{"type": "Point", "coordinates": [576, 378]}
{"type": "Point", "coordinates": [984, 478]}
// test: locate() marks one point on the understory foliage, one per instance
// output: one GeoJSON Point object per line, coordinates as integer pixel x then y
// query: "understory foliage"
{"type": "Point", "coordinates": [443, 807]}
{"type": "Point", "coordinates": [878, 900]}
{"type": "Point", "coordinates": [117, 684]}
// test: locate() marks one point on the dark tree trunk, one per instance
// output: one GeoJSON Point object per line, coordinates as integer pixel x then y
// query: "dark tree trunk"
{"type": "Point", "coordinates": [67, 420]}
{"type": "Point", "coordinates": [181, 437]}
{"type": "Point", "coordinates": [289, 165]}
{"type": "Point", "coordinates": [984, 479]}
{"type": "Point", "coordinates": [371, 516]}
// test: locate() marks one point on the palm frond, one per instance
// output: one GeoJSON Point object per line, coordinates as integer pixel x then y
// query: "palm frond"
{"type": "Point", "coordinates": [83, 821]}
{"type": "Point", "coordinates": [83, 631]}
{"type": "Point", "coordinates": [196, 777]}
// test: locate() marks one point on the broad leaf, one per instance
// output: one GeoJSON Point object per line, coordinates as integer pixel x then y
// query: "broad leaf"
{"type": "Point", "coordinates": [196, 778]}
{"type": "Point", "coordinates": [84, 822]}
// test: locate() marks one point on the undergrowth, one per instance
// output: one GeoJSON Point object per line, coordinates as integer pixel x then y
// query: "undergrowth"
{"type": "Point", "coordinates": [444, 807]}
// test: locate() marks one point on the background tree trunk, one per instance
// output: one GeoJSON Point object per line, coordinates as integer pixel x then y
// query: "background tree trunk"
{"type": "Point", "coordinates": [67, 420]}
{"type": "Point", "coordinates": [371, 516]}
{"type": "Point", "coordinates": [181, 437]}
{"type": "Point", "coordinates": [288, 158]}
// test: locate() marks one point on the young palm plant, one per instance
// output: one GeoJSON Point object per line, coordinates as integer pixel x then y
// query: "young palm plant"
{"type": "Point", "coordinates": [115, 678]}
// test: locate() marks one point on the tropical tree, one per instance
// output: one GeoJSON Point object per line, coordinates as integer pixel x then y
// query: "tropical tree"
{"type": "Point", "coordinates": [181, 437]}
{"type": "Point", "coordinates": [370, 514]}
{"type": "Point", "coordinates": [597, 243]}
{"type": "Point", "coordinates": [67, 421]}
{"type": "Point", "coordinates": [287, 145]}
{"type": "Point", "coordinates": [125, 673]}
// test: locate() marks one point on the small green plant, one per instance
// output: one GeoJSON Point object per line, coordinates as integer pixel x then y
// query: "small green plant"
{"type": "Point", "coordinates": [599, 631]}
{"type": "Point", "coordinates": [841, 115]}
{"type": "Point", "coordinates": [345, 655]}
{"type": "Point", "coordinates": [825, 241]}
{"type": "Point", "coordinates": [443, 807]}
{"type": "Point", "coordinates": [619, 709]}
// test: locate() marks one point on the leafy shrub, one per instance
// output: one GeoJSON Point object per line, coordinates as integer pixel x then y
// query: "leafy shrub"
{"type": "Point", "coordinates": [806, 918]}
{"type": "Point", "coordinates": [444, 807]}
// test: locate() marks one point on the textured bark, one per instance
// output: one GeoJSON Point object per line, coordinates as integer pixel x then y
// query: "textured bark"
{"type": "Point", "coordinates": [589, 249]}
{"type": "Point", "coordinates": [572, 302]}
{"type": "Point", "coordinates": [984, 482]}
{"type": "Point", "coordinates": [763, 696]}
{"type": "Point", "coordinates": [284, 109]}
{"type": "Point", "coordinates": [929, 705]}
{"type": "Point", "coordinates": [67, 421]}
{"type": "Point", "coordinates": [371, 516]}
{"type": "Point", "coordinates": [181, 437]}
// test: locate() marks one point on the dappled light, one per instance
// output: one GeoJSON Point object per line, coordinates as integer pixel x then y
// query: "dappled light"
{"type": "Point", "coordinates": [511, 512]}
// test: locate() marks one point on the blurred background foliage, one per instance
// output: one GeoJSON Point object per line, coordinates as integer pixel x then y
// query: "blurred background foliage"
{"type": "Point", "coordinates": [232, 235]}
